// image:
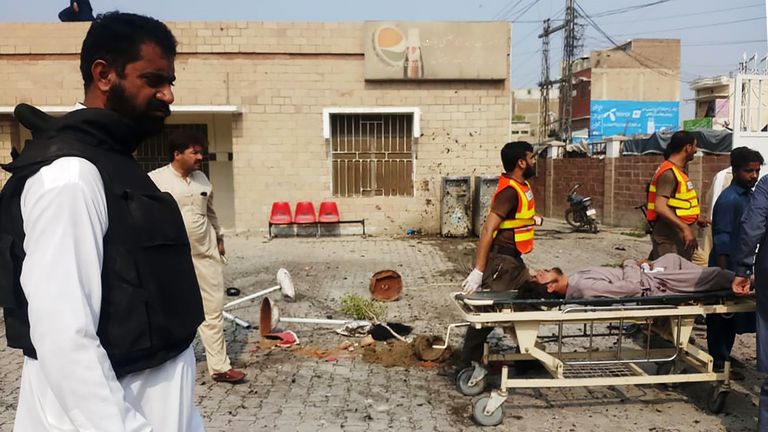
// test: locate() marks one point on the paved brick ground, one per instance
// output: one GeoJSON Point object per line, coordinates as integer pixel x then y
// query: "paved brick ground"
{"type": "Point", "coordinates": [293, 391]}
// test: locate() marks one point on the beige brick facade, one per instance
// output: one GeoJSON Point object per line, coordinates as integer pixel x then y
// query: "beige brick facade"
{"type": "Point", "coordinates": [281, 76]}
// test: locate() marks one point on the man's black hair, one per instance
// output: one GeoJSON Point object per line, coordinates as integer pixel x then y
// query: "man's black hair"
{"type": "Point", "coordinates": [743, 156]}
{"type": "Point", "coordinates": [532, 290]}
{"type": "Point", "coordinates": [116, 37]}
{"type": "Point", "coordinates": [679, 140]}
{"type": "Point", "coordinates": [513, 152]}
{"type": "Point", "coordinates": [181, 140]}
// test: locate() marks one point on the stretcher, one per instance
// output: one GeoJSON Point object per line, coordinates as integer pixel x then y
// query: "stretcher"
{"type": "Point", "coordinates": [573, 354]}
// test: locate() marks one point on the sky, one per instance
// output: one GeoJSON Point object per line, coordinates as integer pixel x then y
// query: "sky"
{"type": "Point", "coordinates": [714, 34]}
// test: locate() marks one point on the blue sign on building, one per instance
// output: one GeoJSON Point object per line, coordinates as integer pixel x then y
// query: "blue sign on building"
{"type": "Point", "coordinates": [623, 117]}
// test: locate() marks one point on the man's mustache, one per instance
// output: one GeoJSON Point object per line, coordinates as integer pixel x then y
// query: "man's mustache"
{"type": "Point", "coordinates": [159, 106]}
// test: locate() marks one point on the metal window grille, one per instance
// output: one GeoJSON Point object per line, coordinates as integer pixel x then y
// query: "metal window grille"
{"type": "Point", "coordinates": [153, 151]}
{"type": "Point", "coordinates": [372, 154]}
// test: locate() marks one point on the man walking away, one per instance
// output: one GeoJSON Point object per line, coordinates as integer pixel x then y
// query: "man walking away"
{"type": "Point", "coordinates": [193, 192]}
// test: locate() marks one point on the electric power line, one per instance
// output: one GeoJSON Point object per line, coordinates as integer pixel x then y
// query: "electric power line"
{"type": "Point", "coordinates": [700, 26]}
{"type": "Point", "coordinates": [717, 43]}
{"type": "Point", "coordinates": [628, 9]}
{"type": "Point", "coordinates": [654, 19]}
{"type": "Point", "coordinates": [525, 10]}
{"type": "Point", "coordinates": [509, 7]}
{"type": "Point", "coordinates": [640, 59]}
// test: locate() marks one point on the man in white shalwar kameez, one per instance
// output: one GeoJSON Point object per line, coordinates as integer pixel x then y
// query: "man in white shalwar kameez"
{"type": "Point", "coordinates": [191, 189]}
{"type": "Point", "coordinates": [73, 379]}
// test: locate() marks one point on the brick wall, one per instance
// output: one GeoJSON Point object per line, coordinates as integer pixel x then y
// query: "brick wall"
{"type": "Point", "coordinates": [567, 172]}
{"type": "Point", "coordinates": [630, 178]}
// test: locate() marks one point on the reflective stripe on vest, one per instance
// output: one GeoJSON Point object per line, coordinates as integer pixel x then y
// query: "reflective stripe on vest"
{"type": "Point", "coordinates": [522, 223]}
{"type": "Point", "coordinates": [685, 202]}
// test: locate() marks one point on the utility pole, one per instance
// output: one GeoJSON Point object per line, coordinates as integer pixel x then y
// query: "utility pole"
{"type": "Point", "coordinates": [544, 84]}
{"type": "Point", "coordinates": [566, 86]}
{"type": "Point", "coordinates": [570, 47]}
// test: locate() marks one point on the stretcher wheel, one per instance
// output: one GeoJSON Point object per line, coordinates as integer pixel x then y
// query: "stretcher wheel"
{"type": "Point", "coordinates": [716, 402]}
{"type": "Point", "coordinates": [462, 383]}
{"type": "Point", "coordinates": [478, 413]}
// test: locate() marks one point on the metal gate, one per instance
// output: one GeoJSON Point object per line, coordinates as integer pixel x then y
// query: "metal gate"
{"type": "Point", "coordinates": [372, 154]}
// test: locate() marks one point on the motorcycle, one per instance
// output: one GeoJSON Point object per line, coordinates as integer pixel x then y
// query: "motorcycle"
{"type": "Point", "coordinates": [580, 214]}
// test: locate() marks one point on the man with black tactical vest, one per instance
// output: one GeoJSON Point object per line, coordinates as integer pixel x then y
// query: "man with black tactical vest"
{"type": "Point", "coordinates": [506, 236]}
{"type": "Point", "coordinates": [96, 276]}
{"type": "Point", "coordinates": [673, 206]}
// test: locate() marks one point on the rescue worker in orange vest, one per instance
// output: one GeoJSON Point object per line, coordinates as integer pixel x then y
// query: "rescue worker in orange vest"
{"type": "Point", "coordinates": [507, 234]}
{"type": "Point", "coordinates": [673, 205]}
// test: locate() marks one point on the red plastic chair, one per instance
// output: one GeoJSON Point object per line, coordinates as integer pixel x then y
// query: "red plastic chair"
{"type": "Point", "coordinates": [305, 213]}
{"type": "Point", "coordinates": [329, 212]}
{"type": "Point", "coordinates": [281, 213]}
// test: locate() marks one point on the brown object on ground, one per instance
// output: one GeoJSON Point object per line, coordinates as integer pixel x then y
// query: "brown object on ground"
{"type": "Point", "coordinates": [391, 354]}
{"type": "Point", "coordinates": [232, 376]}
{"type": "Point", "coordinates": [265, 317]}
{"type": "Point", "coordinates": [422, 347]}
{"type": "Point", "coordinates": [386, 285]}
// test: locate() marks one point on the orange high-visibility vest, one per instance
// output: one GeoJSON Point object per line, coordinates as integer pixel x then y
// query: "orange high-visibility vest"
{"type": "Point", "coordinates": [522, 222]}
{"type": "Point", "coordinates": [685, 202]}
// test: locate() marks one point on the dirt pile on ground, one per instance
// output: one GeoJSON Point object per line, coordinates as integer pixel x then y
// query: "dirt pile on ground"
{"type": "Point", "coordinates": [391, 354]}
{"type": "Point", "coordinates": [401, 354]}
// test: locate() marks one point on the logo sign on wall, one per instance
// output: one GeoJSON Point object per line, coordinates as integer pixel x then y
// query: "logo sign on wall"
{"type": "Point", "coordinates": [622, 117]}
{"type": "Point", "coordinates": [434, 50]}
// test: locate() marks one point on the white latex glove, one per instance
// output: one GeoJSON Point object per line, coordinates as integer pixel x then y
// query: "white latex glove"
{"type": "Point", "coordinates": [472, 282]}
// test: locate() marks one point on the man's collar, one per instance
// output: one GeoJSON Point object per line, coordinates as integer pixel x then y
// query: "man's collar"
{"type": "Point", "coordinates": [739, 188]}
{"type": "Point", "coordinates": [175, 171]}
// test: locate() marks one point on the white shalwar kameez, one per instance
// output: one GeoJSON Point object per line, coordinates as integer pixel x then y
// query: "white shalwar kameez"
{"type": "Point", "coordinates": [72, 386]}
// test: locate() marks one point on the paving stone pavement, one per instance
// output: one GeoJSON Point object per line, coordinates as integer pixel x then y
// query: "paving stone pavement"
{"type": "Point", "coordinates": [297, 391]}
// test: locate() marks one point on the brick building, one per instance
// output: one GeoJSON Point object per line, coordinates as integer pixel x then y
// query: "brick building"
{"type": "Point", "coordinates": [306, 111]}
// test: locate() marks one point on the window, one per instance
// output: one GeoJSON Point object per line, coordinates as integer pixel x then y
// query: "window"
{"type": "Point", "coordinates": [152, 153]}
{"type": "Point", "coordinates": [371, 153]}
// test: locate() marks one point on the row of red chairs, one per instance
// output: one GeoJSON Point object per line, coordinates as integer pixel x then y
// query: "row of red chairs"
{"type": "Point", "coordinates": [304, 213]}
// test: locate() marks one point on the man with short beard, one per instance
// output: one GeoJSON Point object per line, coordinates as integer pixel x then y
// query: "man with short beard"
{"type": "Point", "coordinates": [96, 277]}
{"type": "Point", "coordinates": [673, 205]}
{"type": "Point", "coordinates": [507, 234]}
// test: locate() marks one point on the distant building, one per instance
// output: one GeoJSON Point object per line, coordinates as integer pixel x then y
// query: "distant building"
{"type": "Point", "coordinates": [526, 112]}
{"type": "Point", "coordinates": [713, 97]}
{"type": "Point", "coordinates": [627, 90]}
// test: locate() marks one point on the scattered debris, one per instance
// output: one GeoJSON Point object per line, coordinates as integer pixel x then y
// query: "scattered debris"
{"type": "Point", "coordinates": [286, 338]}
{"type": "Point", "coordinates": [390, 354]}
{"type": "Point", "coordinates": [366, 341]}
{"type": "Point", "coordinates": [361, 308]}
{"type": "Point", "coordinates": [385, 332]}
{"type": "Point", "coordinates": [355, 329]}
{"type": "Point", "coordinates": [386, 285]}
{"type": "Point", "coordinates": [423, 349]}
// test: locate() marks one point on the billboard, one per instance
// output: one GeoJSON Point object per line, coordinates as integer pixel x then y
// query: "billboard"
{"type": "Point", "coordinates": [623, 117]}
{"type": "Point", "coordinates": [406, 50]}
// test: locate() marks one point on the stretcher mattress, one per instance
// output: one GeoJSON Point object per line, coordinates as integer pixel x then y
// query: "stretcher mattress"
{"type": "Point", "coordinates": [508, 298]}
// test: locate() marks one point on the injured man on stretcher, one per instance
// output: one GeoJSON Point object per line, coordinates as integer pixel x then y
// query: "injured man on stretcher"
{"type": "Point", "coordinates": [670, 274]}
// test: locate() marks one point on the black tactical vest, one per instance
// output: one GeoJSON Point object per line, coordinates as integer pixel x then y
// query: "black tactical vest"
{"type": "Point", "coordinates": [151, 305]}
